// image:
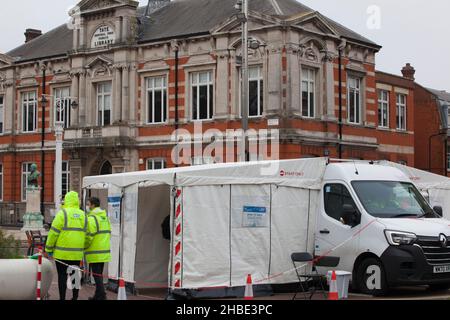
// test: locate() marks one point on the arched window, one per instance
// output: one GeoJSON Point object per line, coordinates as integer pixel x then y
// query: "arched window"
{"type": "Point", "coordinates": [106, 168]}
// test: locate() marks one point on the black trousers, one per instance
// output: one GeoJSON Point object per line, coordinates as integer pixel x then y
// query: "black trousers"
{"type": "Point", "coordinates": [97, 270]}
{"type": "Point", "coordinates": [62, 278]}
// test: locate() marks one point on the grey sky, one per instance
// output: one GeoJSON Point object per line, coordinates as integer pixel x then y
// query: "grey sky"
{"type": "Point", "coordinates": [414, 31]}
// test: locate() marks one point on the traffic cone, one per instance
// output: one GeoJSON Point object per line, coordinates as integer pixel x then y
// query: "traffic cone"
{"type": "Point", "coordinates": [122, 294]}
{"type": "Point", "coordinates": [333, 295]}
{"type": "Point", "coordinates": [249, 288]}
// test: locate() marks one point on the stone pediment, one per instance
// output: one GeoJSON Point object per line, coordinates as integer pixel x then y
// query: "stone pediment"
{"type": "Point", "coordinates": [313, 22]}
{"type": "Point", "coordinates": [99, 5]}
{"type": "Point", "coordinates": [232, 24]}
{"type": "Point", "coordinates": [5, 60]}
{"type": "Point", "coordinates": [99, 66]}
{"type": "Point", "coordinates": [99, 61]}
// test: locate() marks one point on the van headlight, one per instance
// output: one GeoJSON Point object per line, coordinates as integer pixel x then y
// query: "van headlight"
{"type": "Point", "coordinates": [396, 238]}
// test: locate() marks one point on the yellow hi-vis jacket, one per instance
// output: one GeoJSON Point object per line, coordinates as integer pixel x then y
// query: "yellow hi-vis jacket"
{"type": "Point", "coordinates": [68, 236]}
{"type": "Point", "coordinates": [100, 231]}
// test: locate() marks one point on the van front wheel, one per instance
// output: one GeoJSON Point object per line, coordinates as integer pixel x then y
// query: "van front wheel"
{"type": "Point", "coordinates": [371, 277]}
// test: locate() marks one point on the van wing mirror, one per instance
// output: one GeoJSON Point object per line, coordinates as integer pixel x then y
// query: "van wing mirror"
{"type": "Point", "coordinates": [439, 211]}
{"type": "Point", "coordinates": [350, 215]}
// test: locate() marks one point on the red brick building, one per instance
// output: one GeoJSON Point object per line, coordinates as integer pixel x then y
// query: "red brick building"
{"type": "Point", "coordinates": [117, 66]}
{"type": "Point", "coordinates": [431, 136]}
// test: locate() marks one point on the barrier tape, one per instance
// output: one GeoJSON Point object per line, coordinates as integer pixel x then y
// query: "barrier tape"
{"type": "Point", "coordinates": [271, 277]}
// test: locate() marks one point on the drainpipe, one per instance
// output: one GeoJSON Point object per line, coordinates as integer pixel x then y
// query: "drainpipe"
{"type": "Point", "coordinates": [43, 104]}
{"type": "Point", "coordinates": [340, 49]}
{"type": "Point", "coordinates": [177, 120]}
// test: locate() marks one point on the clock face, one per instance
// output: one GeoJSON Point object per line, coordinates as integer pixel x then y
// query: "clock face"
{"type": "Point", "coordinates": [104, 36]}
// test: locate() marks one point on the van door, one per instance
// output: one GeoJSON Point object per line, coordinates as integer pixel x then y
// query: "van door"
{"type": "Point", "coordinates": [334, 236]}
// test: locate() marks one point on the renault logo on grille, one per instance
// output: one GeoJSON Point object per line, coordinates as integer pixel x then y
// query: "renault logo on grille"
{"type": "Point", "coordinates": [443, 240]}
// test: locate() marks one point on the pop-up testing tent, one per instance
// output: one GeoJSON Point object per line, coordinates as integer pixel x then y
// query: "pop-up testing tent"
{"type": "Point", "coordinates": [436, 187]}
{"type": "Point", "coordinates": [228, 220]}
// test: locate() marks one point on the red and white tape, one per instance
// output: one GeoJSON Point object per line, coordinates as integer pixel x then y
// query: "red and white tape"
{"type": "Point", "coordinates": [39, 275]}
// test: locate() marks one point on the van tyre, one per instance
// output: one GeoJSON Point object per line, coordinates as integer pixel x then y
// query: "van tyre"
{"type": "Point", "coordinates": [371, 278]}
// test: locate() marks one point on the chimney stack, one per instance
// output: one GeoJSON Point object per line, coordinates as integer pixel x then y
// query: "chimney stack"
{"type": "Point", "coordinates": [408, 72]}
{"type": "Point", "coordinates": [31, 34]}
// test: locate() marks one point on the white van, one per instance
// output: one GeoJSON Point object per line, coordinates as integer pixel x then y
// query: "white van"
{"type": "Point", "coordinates": [382, 229]}
{"type": "Point", "coordinates": [231, 220]}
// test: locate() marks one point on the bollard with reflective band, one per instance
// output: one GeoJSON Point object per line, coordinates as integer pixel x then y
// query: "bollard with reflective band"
{"type": "Point", "coordinates": [39, 275]}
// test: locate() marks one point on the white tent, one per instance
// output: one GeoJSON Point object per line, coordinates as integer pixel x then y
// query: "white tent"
{"type": "Point", "coordinates": [435, 186]}
{"type": "Point", "coordinates": [228, 220]}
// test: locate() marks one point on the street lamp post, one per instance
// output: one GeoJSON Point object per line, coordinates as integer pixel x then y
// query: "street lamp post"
{"type": "Point", "coordinates": [243, 5]}
{"type": "Point", "coordinates": [59, 132]}
{"type": "Point", "coordinates": [59, 137]}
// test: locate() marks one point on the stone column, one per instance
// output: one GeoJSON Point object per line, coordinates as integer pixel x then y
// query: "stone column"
{"type": "Point", "coordinates": [118, 29]}
{"type": "Point", "coordinates": [274, 81]}
{"type": "Point", "coordinates": [83, 99]}
{"type": "Point", "coordinates": [75, 175]}
{"type": "Point", "coordinates": [83, 33]}
{"type": "Point", "coordinates": [133, 94]}
{"type": "Point", "coordinates": [329, 99]}
{"type": "Point", "coordinates": [74, 92]}
{"type": "Point", "coordinates": [222, 84]}
{"type": "Point", "coordinates": [125, 93]}
{"type": "Point", "coordinates": [117, 105]}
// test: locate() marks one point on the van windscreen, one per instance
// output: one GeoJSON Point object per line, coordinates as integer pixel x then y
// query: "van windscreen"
{"type": "Point", "coordinates": [391, 199]}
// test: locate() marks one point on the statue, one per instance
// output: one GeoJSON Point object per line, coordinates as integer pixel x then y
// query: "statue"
{"type": "Point", "coordinates": [33, 177]}
{"type": "Point", "coordinates": [33, 219]}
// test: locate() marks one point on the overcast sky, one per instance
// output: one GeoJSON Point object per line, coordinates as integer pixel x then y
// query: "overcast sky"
{"type": "Point", "coordinates": [415, 31]}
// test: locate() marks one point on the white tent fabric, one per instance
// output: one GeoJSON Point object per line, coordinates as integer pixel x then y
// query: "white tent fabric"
{"type": "Point", "coordinates": [437, 187]}
{"type": "Point", "coordinates": [237, 219]}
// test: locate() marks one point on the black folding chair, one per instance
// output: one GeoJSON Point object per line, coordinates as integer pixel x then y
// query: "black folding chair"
{"type": "Point", "coordinates": [308, 282]}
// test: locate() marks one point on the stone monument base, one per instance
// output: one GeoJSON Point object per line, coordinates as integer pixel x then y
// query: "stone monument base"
{"type": "Point", "coordinates": [33, 219]}
{"type": "Point", "coordinates": [33, 222]}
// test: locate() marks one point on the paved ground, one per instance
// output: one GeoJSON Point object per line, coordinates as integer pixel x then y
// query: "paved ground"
{"type": "Point", "coordinates": [413, 293]}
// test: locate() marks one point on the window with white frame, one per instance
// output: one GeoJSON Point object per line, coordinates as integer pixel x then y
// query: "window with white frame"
{"type": "Point", "coordinates": [26, 170]}
{"type": "Point", "coordinates": [255, 92]}
{"type": "Point", "coordinates": [2, 113]}
{"type": "Point", "coordinates": [29, 111]}
{"type": "Point", "coordinates": [198, 161]}
{"type": "Point", "coordinates": [354, 100]}
{"type": "Point", "coordinates": [104, 104]}
{"type": "Point", "coordinates": [401, 111]}
{"type": "Point", "coordinates": [1, 181]}
{"type": "Point", "coordinates": [65, 178]}
{"type": "Point", "coordinates": [62, 106]}
{"type": "Point", "coordinates": [202, 92]}
{"type": "Point", "coordinates": [308, 92]}
{"type": "Point", "coordinates": [156, 88]}
{"type": "Point", "coordinates": [383, 108]}
{"type": "Point", "coordinates": [448, 157]}
{"type": "Point", "coordinates": [156, 164]}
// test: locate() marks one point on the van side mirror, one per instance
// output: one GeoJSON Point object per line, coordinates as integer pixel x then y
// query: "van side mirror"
{"type": "Point", "coordinates": [350, 215]}
{"type": "Point", "coordinates": [439, 211]}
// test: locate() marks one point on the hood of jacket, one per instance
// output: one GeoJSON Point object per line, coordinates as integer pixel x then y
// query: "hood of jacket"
{"type": "Point", "coordinates": [71, 200]}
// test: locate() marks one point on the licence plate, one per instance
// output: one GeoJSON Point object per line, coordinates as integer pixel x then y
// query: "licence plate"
{"type": "Point", "coordinates": [441, 269]}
